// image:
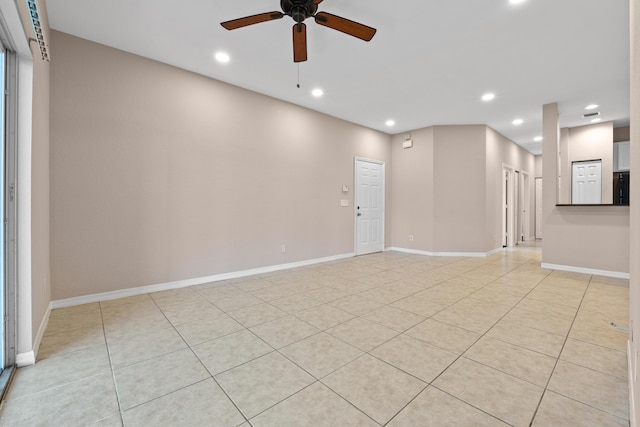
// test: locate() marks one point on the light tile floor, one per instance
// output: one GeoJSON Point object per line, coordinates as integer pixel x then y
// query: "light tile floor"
{"type": "Point", "coordinates": [385, 339]}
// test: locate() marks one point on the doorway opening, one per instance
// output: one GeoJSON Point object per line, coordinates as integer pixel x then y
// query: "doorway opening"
{"type": "Point", "coordinates": [516, 204]}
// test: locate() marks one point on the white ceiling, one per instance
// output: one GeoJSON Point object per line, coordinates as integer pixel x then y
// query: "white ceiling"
{"type": "Point", "coordinates": [429, 63]}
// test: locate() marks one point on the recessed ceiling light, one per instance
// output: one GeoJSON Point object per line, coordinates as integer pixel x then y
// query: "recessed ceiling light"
{"type": "Point", "coordinates": [591, 107]}
{"type": "Point", "coordinates": [596, 120]}
{"type": "Point", "coordinates": [222, 57]}
{"type": "Point", "coordinates": [518, 122]}
{"type": "Point", "coordinates": [390, 123]}
{"type": "Point", "coordinates": [516, 1]}
{"type": "Point", "coordinates": [488, 97]}
{"type": "Point", "coordinates": [317, 92]}
{"type": "Point", "coordinates": [537, 139]}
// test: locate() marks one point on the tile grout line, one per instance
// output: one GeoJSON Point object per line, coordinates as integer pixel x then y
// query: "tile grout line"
{"type": "Point", "coordinates": [546, 387]}
{"type": "Point", "coordinates": [197, 358]}
{"type": "Point", "coordinates": [481, 336]}
{"type": "Point", "coordinates": [359, 357]}
{"type": "Point", "coordinates": [113, 373]}
{"type": "Point", "coordinates": [430, 384]}
{"type": "Point", "coordinates": [292, 315]}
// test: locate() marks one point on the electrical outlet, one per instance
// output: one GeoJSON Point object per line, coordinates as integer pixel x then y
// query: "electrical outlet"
{"type": "Point", "coordinates": [411, 237]}
{"type": "Point", "coordinates": [284, 248]}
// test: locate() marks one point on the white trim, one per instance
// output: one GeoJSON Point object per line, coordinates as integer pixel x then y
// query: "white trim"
{"type": "Point", "coordinates": [41, 330]}
{"type": "Point", "coordinates": [123, 293]}
{"type": "Point", "coordinates": [632, 400]}
{"type": "Point", "coordinates": [25, 359]}
{"type": "Point", "coordinates": [11, 16]}
{"type": "Point", "coordinates": [494, 251]}
{"type": "Point", "coordinates": [446, 254]}
{"type": "Point", "coordinates": [526, 220]}
{"type": "Point", "coordinates": [512, 197]}
{"type": "Point", "coordinates": [364, 159]}
{"type": "Point", "coordinates": [24, 321]}
{"type": "Point", "coordinates": [592, 271]}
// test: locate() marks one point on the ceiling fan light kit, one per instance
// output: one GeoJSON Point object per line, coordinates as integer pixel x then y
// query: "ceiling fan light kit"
{"type": "Point", "coordinates": [299, 11]}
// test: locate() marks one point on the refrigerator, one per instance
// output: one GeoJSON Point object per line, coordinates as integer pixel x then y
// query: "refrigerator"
{"type": "Point", "coordinates": [621, 188]}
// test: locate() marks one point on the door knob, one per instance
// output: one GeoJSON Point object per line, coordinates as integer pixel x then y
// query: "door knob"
{"type": "Point", "coordinates": [359, 214]}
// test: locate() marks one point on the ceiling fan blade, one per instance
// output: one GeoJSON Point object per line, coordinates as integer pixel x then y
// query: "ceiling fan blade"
{"type": "Point", "coordinates": [250, 20]}
{"type": "Point", "coordinates": [317, 1]}
{"type": "Point", "coordinates": [299, 42]}
{"type": "Point", "coordinates": [345, 25]}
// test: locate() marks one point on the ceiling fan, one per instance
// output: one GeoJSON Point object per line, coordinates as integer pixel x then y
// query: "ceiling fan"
{"type": "Point", "coordinates": [300, 10]}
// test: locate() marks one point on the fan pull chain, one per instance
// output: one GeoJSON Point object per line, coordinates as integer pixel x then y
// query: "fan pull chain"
{"type": "Point", "coordinates": [298, 85]}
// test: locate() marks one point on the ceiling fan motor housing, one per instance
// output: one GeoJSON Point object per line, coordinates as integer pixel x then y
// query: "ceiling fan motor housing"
{"type": "Point", "coordinates": [299, 10]}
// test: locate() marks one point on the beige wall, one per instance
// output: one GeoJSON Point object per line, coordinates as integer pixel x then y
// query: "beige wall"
{"type": "Point", "coordinates": [158, 174]}
{"type": "Point", "coordinates": [447, 188]}
{"type": "Point", "coordinates": [459, 192]}
{"type": "Point", "coordinates": [621, 134]}
{"type": "Point", "coordinates": [564, 169]}
{"type": "Point", "coordinates": [412, 186]}
{"type": "Point", "coordinates": [634, 297]}
{"type": "Point", "coordinates": [579, 236]}
{"type": "Point", "coordinates": [154, 177]}
{"type": "Point", "coordinates": [538, 166]}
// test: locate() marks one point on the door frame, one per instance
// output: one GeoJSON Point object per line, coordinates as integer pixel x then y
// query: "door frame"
{"type": "Point", "coordinates": [525, 208]}
{"type": "Point", "coordinates": [505, 207]}
{"type": "Point", "coordinates": [355, 200]}
{"type": "Point", "coordinates": [517, 201]}
{"type": "Point", "coordinates": [10, 194]}
{"type": "Point", "coordinates": [511, 212]}
{"type": "Point", "coordinates": [9, 216]}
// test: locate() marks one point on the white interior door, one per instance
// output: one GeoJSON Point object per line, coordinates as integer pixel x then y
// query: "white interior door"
{"type": "Point", "coordinates": [538, 208]}
{"type": "Point", "coordinates": [586, 186]}
{"type": "Point", "coordinates": [369, 209]}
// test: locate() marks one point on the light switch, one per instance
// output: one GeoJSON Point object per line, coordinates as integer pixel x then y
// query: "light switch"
{"type": "Point", "coordinates": [344, 202]}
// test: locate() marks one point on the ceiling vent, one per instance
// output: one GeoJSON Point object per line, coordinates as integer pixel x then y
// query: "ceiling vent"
{"type": "Point", "coordinates": [590, 115]}
{"type": "Point", "coordinates": [37, 29]}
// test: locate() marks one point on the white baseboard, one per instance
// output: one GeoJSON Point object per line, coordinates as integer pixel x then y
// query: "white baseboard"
{"type": "Point", "coordinates": [446, 254]}
{"type": "Point", "coordinates": [123, 293]}
{"type": "Point", "coordinates": [25, 359]}
{"type": "Point", "coordinates": [592, 271]}
{"type": "Point", "coordinates": [41, 330]}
